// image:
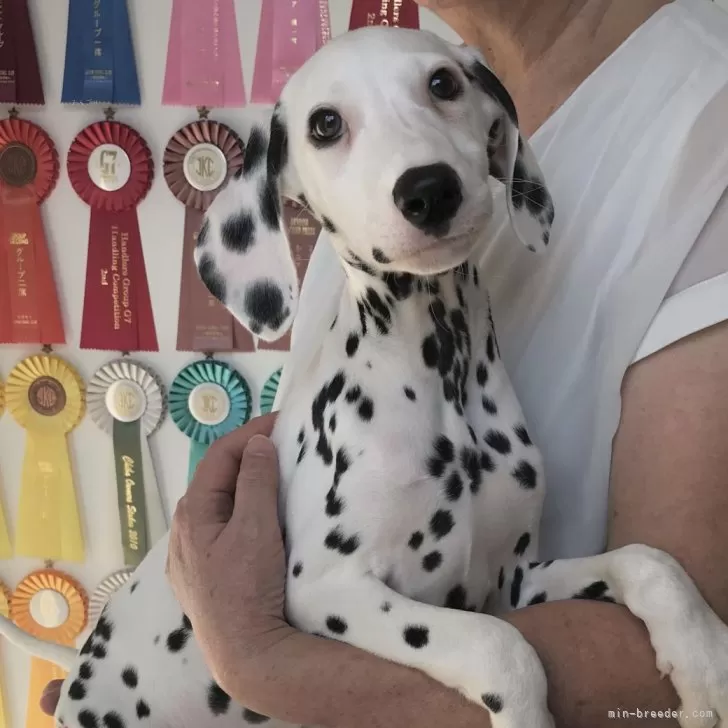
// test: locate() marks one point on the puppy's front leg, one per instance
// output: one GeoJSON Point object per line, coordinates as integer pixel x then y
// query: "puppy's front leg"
{"type": "Point", "coordinates": [483, 657]}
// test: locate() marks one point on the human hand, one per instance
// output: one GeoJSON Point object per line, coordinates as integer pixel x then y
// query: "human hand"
{"type": "Point", "coordinates": [226, 560]}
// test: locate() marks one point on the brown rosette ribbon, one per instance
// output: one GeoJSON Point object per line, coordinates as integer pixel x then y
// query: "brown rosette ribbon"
{"type": "Point", "coordinates": [111, 170]}
{"type": "Point", "coordinates": [29, 310]}
{"type": "Point", "coordinates": [198, 161]}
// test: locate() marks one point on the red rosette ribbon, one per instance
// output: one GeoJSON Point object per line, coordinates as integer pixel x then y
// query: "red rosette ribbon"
{"type": "Point", "coordinates": [111, 170]}
{"type": "Point", "coordinates": [29, 309]}
{"type": "Point", "coordinates": [198, 162]}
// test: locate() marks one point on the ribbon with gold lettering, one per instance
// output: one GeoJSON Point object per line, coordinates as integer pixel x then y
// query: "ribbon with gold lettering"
{"type": "Point", "coordinates": [5, 612]}
{"type": "Point", "coordinates": [198, 161]}
{"type": "Point", "coordinates": [20, 81]}
{"type": "Point", "coordinates": [104, 591]}
{"type": "Point", "coordinates": [126, 400]}
{"type": "Point", "coordinates": [6, 550]}
{"type": "Point", "coordinates": [45, 396]}
{"type": "Point", "coordinates": [29, 309]}
{"type": "Point", "coordinates": [203, 56]}
{"type": "Point", "coordinates": [100, 66]}
{"type": "Point", "coordinates": [394, 13]}
{"type": "Point", "coordinates": [303, 231]}
{"type": "Point", "coordinates": [111, 170]}
{"type": "Point", "coordinates": [52, 606]}
{"type": "Point", "coordinates": [208, 399]}
{"type": "Point", "coordinates": [290, 32]}
{"type": "Point", "coordinates": [268, 394]}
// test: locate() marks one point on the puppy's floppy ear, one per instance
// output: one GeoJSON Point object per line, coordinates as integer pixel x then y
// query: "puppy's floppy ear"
{"type": "Point", "coordinates": [242, 254]}
{"type": "Point", "coordinates": [512, 160]}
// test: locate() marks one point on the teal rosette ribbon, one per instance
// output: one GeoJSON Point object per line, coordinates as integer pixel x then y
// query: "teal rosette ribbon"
{"type": "Point", "coordinates": [269, 391]}
{"type": "Point", "coordinates": [208, 399]}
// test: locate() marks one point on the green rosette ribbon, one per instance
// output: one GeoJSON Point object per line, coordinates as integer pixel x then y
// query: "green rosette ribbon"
{"type": "Point", "coordinates": [127, 401]}
{"type": "Point", "coordinates": [208, 399]}
{"type": "Point", "coordinates": [269, 391]}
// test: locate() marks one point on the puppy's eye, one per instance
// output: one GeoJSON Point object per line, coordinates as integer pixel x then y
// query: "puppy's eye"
{"type": "Point", "coordinates": [444, 85]}
{"type": "Point", "coordinates": [325, 126]}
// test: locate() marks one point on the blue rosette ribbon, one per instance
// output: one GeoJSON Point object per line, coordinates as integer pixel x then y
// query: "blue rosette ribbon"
{"type": "Point", "coordinates": [269, 391]}
{"type": "Point", "coordinates": [100, 66]}
{"type": "Point", "coordinates": [208, 399]}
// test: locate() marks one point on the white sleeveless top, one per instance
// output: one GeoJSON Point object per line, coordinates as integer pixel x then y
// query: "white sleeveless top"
{"type": "Point", "coordinates": [637, 163]}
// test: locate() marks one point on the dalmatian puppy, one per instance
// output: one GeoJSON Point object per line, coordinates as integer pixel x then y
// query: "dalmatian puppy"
{"type": "Point", "coordinates": [411, 491]}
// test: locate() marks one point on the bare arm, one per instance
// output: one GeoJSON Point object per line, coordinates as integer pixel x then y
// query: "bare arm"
{"type": "Point", "coordinates": [669, 489]}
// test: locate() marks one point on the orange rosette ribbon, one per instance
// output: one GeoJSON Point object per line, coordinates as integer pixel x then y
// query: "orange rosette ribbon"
{"type": "Point", "coordinates": [5, 612]}
{"type": "Point", "coordinates": [6, 550]}
{"type": "Point", "coordinates": [46, 397]}
{"type": "Point", "coordinates": [53, 607]}
{"type": "Point", "coordinates": [29, 309]}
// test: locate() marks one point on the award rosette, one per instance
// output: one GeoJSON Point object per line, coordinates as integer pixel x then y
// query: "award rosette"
{"type": "Point", "coordinates": [52, 606]}
{"type": "Point", "coordinates": [29, 310]}
{"type": "Point", "coordinates": [303, 231]}
{"type": "Point", "coordinates": [45, 396]}
{"type": "Point", "coordinates": [208, 399]}
{"type": "Point", "coordinates": [268, 394]}
{"type": "Point", "coordinates": [126, 401]}
{"type": "Point", "coordinates": [104, 591]}
{"type": "Point", "coordinates": [203, 56]}
{"type": "Point", "coordinates": [5, 611]}
{"type": "Point", "coordinates": [20, 81]}
{"type": "Point", "coordinates": [111, 170]}
{"type": "Point", "coordinates": [100, 66]}
{"type": "Point", "coordinates": [198, 162]}
{"type": "Point", "coordinates": [394, 13]}
{"type": "Point", "coordinates": [290, 32]}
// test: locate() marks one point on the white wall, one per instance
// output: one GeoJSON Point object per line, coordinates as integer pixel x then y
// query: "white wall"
{"type": "Point", "coordinates": [161, 218]}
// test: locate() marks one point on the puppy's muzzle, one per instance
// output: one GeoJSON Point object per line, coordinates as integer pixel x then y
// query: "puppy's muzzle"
{"type": "Point", "coordinates": [429, 197]}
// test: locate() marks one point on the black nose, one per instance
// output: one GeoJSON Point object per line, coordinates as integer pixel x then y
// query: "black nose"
{"type": "Point", "coordinates": [429, 197]}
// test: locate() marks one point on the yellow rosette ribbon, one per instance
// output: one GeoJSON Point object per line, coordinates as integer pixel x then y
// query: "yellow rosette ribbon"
{"type": "Point", "coordinates": [5, 611]}
{"type": "Point", "coordinates": [45, 395]}
{"type": "Point", "coordinates": [6, 550]}
{"type": "Point", "coordinates": [52, 606]}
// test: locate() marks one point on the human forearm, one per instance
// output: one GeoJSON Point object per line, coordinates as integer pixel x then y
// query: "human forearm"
{"type": "Point", "coordinates": [597, 657]}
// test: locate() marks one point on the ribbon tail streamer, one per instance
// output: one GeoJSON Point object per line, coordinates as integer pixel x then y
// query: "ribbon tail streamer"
{"type": "Point", "coordinates": [49, 526]}
{"type": "Point", "coordinates": [197, 452]}
{"type": "Point", "coordinates": [20, 80]}
{"type": "Point", "coordinates": [41, 673]}
{"type": "Point", "coordinates": [157, 523]}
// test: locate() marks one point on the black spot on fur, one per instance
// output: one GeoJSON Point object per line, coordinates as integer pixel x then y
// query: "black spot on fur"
{"type": "Point", "coordinates": [523, 543]}
{"type": "Point", "coordinates": [77, 690]}
{"type": "Point", "coordinates": [386, 607]}
{"type": "Point", "coordinates": [142, 710]}
{"type": "Point", "coordinates": [353, 394]}
{"type": "Point", "coordinates": [410, 394]}
{"type": "Point", "coordinates": [264, 304]}
{"type": "Point", "coordinates": [114, 720]}
{"type": "Point", "coordinates": [177, 639]}
{"type": "Point", "coordinates": [130, 677]}
{"type": "Point", "coordinates": [430, 351]}
{"type": "Point", "coordinates": [538, 599]}
{"type": "Point", "coordinates": [490, 348]}
{"type": "Point", "coordinates": [431, 561]}
{"type": "Point", "coordinates": [522, 435]}
{"type": "Point", "coordinates": [596, 591]}
{"type": "Point", "coordinates": [501, 578]}
{"type": "Point", "coordinates": [498, 441]}
{"type": "Point", "coordinates": [470, 460]}
{"type": "Point", "coordinates": [493, 702]}
{"type": "Point", "coordinates": [202, 234]}
{"type": "Point", "coordinates": [88, 719]}
{"type": "Point", "coordinates": [379, 256]}
{"type": "Point", "coordinates": [416, 540]}
{"type": "Point", "coordinates": [250, 716]}
{"type": "Point", "coordinates": [328, 225]}
{"type": "Point", "coordinates": [481, 374]}
{"type": "Point", "coordinates": [301, 436]}
{"type": "Point", "coordinates": [352, 344]}
{"type": "Point", "coordinates": [366, 409]}
{"type": "Point", "coordinates": [525, 474]}
{"type": "Point", "coordinates": [133, 587]}
{"type": "Point", "coordinates": [254, 151]}
{"type": "Point", "coordinates": [99, 652]}
{"type": "Point", "coordinates": [297, 569]}
{"type": "Point", "coordinates": [336, 624]}
{"type": "Point", "coordinates": [238, 233]}
{"type": "Point", "coordinates": [444, 448]}
{"type": "Point", "coordinates": [441, 524]}
{"type": "Point", "coordinates": [456, 597]}
{"type": "Point", "coordinates": [486, 462]}
{"type": "Point", "coordinates": [218, 701]}
{"type": "Point", "coordinates": [86, 671]}
{"type": "Point", "coordinates": [334, 503]}
{"type": "Point", "coordinates": [417, 636]}
{"type": "Point", "coordinates": [454, 487]}
{"type": "Point", "coordinates": [269, 204]}
{"type": "Point", "coordinates": [516, 586]}
{"type": "Point", "coordinates": [336, 541]}
{"type": "Point", "coordinates": [490, 406]}
{"type": "Point", "coordinates": [104, 629]}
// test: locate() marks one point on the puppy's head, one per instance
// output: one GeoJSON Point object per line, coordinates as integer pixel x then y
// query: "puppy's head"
{"type": "Point", "coordinates": [393, 138]}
